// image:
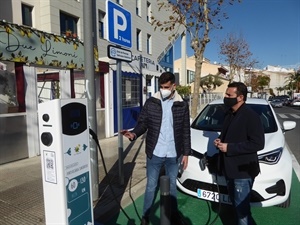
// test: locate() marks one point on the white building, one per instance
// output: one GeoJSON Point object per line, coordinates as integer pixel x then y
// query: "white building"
{"type": "Point", "coordinates": [36, 79]}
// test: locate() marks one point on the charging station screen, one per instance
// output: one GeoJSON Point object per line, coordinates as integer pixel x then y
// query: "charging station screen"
{"type": "Point", "coordinates": [73, 118]}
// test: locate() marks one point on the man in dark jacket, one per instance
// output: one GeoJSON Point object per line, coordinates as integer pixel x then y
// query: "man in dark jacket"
{"type": "Point", "coordinates": [241, 137]}
{"type": "Point", "coordinates": [165, 118]}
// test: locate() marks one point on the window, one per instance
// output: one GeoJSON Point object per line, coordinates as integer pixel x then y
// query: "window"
{"type": "Point", "coordinates": [138, 8]}
{"type": "Point", "coordinates": [190, 76]}
{"type": "Point", "coordinates": [131, 91]}
{"type": "Point", "coordinates": [138, 39]}
{"type": "Point", "coordinates": [101, 24]}
{"type": "Point", "coordinates": [149, 12]}
{"type": "Point", "coordinates": [149, 44]}
{"type": "Point", "coordinates": [68, 23]}
{"type": "Point", "coordinates": [8, 92]}
{"type": "Point", "coordinates": [27, 15]}
{"type": "Point", "coordinates": [167, 57]}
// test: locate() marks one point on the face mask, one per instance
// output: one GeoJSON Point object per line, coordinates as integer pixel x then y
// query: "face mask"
{"type": "Point", "coordinates": [230, 101]}
{"type": "Point", "coordinates": [165, 93]}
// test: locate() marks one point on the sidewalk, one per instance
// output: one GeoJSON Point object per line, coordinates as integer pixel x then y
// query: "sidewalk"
{"type": "Point", "coordinates": [21, 187]}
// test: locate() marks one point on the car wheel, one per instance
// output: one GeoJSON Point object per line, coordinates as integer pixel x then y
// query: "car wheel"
{"type": "Point", "coordinates": [287, 203]}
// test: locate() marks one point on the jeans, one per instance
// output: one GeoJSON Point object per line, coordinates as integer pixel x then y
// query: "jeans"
{"type": "Point", "coordinates": [153, 168]}
{"type": "Point", "coordinates": [239, 193]}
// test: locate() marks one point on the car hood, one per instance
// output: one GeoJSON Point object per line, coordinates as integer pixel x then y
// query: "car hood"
{"type": "Point", "coordinates": [203, 141]}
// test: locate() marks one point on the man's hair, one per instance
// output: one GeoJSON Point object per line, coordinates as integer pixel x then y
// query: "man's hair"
{"type": "Point", "coordinates": [166, 77]}
{"type": "Point", "coordinates": [241, 89]}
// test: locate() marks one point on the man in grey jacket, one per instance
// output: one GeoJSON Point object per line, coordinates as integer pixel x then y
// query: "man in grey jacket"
{"type": "Point", "coordinates": [165, 118]}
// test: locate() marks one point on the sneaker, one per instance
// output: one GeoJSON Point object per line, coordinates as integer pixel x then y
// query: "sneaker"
{"type": "Point", "coordinates": [145, 221]}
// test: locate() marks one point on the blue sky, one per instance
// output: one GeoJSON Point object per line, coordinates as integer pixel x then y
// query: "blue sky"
{"type": "Point", "coordinates": [270, 27]}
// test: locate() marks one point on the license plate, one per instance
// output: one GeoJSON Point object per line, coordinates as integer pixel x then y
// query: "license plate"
{"type": "Point", "coordinates": [213, 196]}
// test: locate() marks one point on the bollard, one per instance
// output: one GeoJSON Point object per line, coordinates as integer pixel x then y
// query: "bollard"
{"type": "Point", "coordinates": [165, 207]}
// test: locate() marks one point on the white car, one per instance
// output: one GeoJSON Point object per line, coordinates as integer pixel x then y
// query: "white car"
{"type": "Point", "coordinates": [271, 186]}
{"type": "Point", "coordinates": [296, 102]}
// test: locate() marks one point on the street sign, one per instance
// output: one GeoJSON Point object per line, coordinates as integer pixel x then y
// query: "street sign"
{"type": "Point", "coordinates": [119, 25]}
{"type": "Point", "coordinates": [118, 53]}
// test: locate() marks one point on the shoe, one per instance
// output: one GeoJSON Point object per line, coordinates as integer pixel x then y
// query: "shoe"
{"type": "Point", "coordinates": [145, 221]}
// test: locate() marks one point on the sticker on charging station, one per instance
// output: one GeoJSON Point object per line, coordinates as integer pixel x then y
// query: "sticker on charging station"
{"type": "Point", "coordinates": [213, 196]}
{"type": "Point", "coordinates": [77, 175]}
{"type": "Point", "coordinates": [50, 167]}
{"type": "Point", "coordinates": [78, 195]}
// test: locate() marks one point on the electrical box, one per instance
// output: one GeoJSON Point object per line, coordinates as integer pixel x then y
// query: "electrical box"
{"type": "Point", "coordinates": [65, 155]}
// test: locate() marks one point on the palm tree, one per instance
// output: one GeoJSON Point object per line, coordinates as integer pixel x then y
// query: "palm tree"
{"type": "Point", "coordinates": [279, 89]}
{"type": "Point", "coordinates": [293, 81]}
{"type": "Point", "coordinates": [263, 81]}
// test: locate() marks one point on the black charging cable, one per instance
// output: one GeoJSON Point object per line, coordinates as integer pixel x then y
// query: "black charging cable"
{"type": "Point", "coordinates": [204, 162]}
{"type": "Point", "coordinates": [94, 136]}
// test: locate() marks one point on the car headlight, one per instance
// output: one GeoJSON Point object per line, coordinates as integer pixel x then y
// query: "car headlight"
{"type": "Point", "coordinates": [271, 157]}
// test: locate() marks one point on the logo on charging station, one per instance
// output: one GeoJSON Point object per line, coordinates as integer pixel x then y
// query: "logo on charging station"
{"type": "Point", "coordinates": [119, 25]}
{"type": "Point", "coordinates": [75, 125]}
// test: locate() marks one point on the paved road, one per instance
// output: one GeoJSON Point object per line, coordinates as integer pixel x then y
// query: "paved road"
{"type": "Point", "coordinates": [292, 137]}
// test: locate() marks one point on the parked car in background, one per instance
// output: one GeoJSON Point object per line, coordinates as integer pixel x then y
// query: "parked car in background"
{"type": "Point", "coordinates": [276, 103]}
{"type": "Point", "coordinates": [201, 177]}
{"type": "Point", "coordinates": [287, 102]}
{"type": "Point", "coordinates": [295, 102]}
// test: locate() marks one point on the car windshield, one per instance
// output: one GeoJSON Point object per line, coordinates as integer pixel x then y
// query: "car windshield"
{"type": "Point", "coordinates": [212, 118]}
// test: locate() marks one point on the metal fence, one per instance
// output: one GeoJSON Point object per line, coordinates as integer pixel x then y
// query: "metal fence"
{"type": "Point", "coordinates": [206, 98]}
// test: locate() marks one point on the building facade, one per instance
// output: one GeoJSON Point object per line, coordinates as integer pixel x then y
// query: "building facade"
{"type": "Point", "coordinates": [30, 78]}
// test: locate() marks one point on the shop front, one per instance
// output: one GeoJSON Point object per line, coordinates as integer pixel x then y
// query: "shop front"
{"type": "Point", "coordinates": [34, 67]}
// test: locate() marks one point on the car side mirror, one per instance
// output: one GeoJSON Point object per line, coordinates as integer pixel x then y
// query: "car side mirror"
{"type": "Point", "coordinates": [288, 125]}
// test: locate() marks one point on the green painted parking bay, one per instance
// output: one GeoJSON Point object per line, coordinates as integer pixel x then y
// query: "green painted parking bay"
{"type": "Point", "coordinates": [200, 212]}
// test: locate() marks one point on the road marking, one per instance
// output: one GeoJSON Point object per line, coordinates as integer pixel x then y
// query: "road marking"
{"type": "Point", "coordinates": [295, 163]}
{"type": "Point", "coordinates": [282, 116]}
{"type": "Point", "coordinates": [295, 115]}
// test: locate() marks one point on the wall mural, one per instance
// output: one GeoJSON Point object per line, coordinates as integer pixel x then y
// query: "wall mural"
{"type": "Point", "coordinates": [28, 45]}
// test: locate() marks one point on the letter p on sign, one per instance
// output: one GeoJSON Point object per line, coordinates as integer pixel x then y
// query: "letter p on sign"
{"type": "Point", "coordinates": [119, 25]}
{"type": "Point", "coordinates": [120, 22]}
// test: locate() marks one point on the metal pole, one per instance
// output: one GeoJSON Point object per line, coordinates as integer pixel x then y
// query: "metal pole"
{"type": "Point", "coordinates": [88, 12]}
{"type": "Point", "coordinates": [165, 207]}
{"type": "Point", "coordinates": [120, 121]}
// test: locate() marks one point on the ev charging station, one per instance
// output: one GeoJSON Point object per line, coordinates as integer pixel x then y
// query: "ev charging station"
{"type": "Point", "coordinates": [65, 155]}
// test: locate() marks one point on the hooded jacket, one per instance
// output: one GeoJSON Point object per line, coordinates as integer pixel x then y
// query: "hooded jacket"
{"type": "Point", "coordinates": [150, 120]}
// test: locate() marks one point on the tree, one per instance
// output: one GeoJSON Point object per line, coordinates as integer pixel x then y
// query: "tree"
{"type": "Point", "coordinates": [263, 81]}
{"type": "Point", "coordinates": [184, 91]}
{"type": "Point", "coordinates": [198, 18]}
{"type": "Point", "coordinates": [293, 81]}
{"type": "Point", "coordinates": [279, 89]}
{"type": "Point", "coordinates": [235, 51]}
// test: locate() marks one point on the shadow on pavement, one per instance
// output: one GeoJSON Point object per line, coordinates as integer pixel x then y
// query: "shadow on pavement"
{"type": "Point", "coordinates": [111, 191]}
{"type": "Point", "coordinates": [226, 213]}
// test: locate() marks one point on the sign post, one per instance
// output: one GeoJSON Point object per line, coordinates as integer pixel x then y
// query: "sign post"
{"type": "Point", "coordinates": [119, 33]}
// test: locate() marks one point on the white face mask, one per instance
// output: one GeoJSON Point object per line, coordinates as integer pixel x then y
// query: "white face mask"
{"type": "Point", "coordinates": [165, 93]}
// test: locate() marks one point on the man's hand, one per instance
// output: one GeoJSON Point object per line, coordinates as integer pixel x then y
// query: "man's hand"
{"type": "Point", "coordinates": [222, 147]}
{"type": "Point", "coordinates": [184, 161]}
{"type": "Point", "coordinates": [128, 134]}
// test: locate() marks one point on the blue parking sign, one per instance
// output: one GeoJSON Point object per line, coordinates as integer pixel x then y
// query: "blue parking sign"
{"type": "Point", "coordinates": [119, 25]}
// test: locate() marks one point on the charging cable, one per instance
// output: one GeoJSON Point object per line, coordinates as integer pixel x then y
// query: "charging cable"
{"type": "Point", "coordinates": [204, 162]}
{"type": "Point", "coordinates": [94, 136]}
